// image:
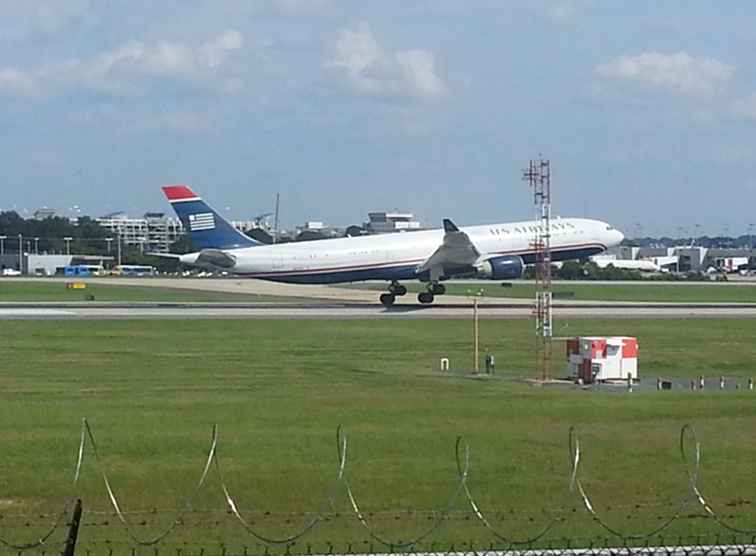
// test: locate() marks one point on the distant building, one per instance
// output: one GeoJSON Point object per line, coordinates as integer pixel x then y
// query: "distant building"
{"type": "Point", "coordinates": [257, 223]}
{"type": "Point", "coordinates": [688, 258]}
{"type": "Point", "coordinates": [162, 231]}
{"type": "Point", "coordinates": [316, 229]}
{"type": "Point", "coordinates": [42, 213]}
{"type": "Point", "coordinates": [154, 232]}
{"type": "Point", "coordinates": [51, 265]}
{"type": "Point", "coordinates": [386, 222]}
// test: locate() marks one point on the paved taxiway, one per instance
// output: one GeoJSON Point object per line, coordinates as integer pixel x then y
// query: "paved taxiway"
{"type": "Point", "coordinates": [64, 311]}
{"type": "Point", "coordinates": [317, 302]}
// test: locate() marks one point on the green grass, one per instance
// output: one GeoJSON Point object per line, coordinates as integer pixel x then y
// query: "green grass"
{"type": "Point", "coordinates": [11, 291]}
{"type": "Point", "coordinates": [671, 293]}
{"type": "Point", "coordinates": [278, 389]}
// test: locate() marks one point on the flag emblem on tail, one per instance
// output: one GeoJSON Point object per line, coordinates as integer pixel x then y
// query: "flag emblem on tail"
{"type": "Point", "coordinates": [202, 221]}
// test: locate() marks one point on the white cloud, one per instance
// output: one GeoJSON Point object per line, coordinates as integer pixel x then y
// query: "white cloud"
{"type": "Point", "coordinates": [746, 108]}
{"type": "Point", "coordinates": [679, 72]}
{"type": "Point", "coordinates": [39, 19]}
{"type": "Point", "coordinates": [368, 69]}
{"type": "Point", "coordinates": [123, 70]}
{"type": "Point", "coordinates": [16, 82]}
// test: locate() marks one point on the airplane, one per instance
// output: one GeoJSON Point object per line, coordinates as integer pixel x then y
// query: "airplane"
{"type": "Point", "coordinates": [494, 252]}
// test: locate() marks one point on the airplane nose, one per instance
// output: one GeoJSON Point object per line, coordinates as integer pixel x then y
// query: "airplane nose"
{"type": "Point", "coordinates": [619, 236]}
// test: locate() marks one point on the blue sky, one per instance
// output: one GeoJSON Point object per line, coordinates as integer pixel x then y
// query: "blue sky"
{"type": "Point", "coordinates": [646, 109]}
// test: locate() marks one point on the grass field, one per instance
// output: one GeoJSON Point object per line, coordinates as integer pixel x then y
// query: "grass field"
{"type": "Point", "coordinates": [277, 389]}
{"type": "Point", "coordinates": [585, 291]}
{"type": "Point", "coordinates": [57, 291]}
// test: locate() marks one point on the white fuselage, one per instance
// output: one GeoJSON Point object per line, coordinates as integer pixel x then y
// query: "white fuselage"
{"type": "Point", "coordinates": [397, 255]}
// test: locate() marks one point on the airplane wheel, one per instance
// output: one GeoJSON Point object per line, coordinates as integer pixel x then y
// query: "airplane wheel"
{"type": "Point", "coordinates": [438, 289]}
{"type": "Point", "coordinates": [387, 299]}
{"type": "Point", "coordinates": [399, 290]}
{"type": "Point", "coordinates": [425, 297]}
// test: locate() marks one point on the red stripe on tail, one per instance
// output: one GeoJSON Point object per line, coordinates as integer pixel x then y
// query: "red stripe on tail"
{"type": "Point", "coordinates": [179, 192]}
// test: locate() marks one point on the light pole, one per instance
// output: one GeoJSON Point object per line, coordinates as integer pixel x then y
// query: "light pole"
{"type": "Point", "coordinates": [476, 331]}
{"type": "Point", "coordinates": [68, 239]}
{"type": "Point", "coordinates": [109, 240]}
{"type": "Point", "coordinates": [118, 237]}
{"type": "Point", "coordinates": [36, 246]}
{"type": "Point", "coordinates": [2, 244]}
{"type": "Point", "coordinates": [20, 253]}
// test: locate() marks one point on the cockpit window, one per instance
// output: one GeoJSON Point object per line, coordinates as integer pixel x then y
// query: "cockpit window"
{"type": "Point", "coordinates": [609, 228]}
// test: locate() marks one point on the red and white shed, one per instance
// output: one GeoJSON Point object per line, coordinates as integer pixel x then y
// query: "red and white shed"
{"type": "Point", "coordinates": [594, 358]}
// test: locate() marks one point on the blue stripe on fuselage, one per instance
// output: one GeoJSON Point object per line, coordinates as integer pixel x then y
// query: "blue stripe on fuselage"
{"type": "Point", "coordinates": [406, 272]}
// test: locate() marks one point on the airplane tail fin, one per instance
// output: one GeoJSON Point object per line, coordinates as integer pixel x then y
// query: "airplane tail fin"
{"type": "Point", "coordinates": [206, 228]}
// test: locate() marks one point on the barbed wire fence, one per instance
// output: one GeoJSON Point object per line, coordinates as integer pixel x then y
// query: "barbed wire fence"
{"type": "Point", "coordinates": [458, 516]}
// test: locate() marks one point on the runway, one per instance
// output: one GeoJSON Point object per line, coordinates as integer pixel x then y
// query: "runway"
{"type": "Point", "coordinates": [99, 311]}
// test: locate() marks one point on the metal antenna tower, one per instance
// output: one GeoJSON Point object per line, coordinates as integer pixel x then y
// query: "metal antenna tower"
{"type": "Point", "coordinates": [275, 221]}
{"type": "Point", "coordinates": [538, 176]}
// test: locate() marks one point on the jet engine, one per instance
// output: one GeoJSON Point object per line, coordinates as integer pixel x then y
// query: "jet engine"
{"type": "Point", "coordinates": [500, 268]}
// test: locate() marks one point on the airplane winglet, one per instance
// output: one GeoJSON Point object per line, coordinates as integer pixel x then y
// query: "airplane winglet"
{"type": "Point", "coordinates": [450, 226]}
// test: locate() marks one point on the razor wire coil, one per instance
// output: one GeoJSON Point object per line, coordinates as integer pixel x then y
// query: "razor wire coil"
{"type": "Point", "coordinates": [576, 495]}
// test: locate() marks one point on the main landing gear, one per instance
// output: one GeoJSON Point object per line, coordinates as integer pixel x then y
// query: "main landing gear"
{"type": "Point", "coordinates": [434, 289]}
{"type": "Point", "coordinates": [395, 290]}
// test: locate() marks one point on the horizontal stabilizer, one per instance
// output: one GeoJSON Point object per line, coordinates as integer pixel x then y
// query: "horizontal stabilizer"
{"type": "Point", "coordinates": [164, 255]}
{"type": "Point", "coordinates": [215, 257]}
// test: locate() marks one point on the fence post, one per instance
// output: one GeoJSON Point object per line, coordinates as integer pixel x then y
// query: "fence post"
{"type": "Point", "coordinates": [73, 530]}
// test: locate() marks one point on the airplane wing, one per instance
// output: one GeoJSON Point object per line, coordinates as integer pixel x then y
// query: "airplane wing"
{"type": "Point", "coordinates": [456, 251]}
{"type": "Point", "coordinates": [163, 255]}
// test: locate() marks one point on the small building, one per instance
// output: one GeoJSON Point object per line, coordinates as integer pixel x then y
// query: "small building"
{"type": "Point", "coordinates": [387, 222]}
{"type": "Point", "coordinates": [51, 265]}
{"type": "Point", "coordinates": [600, 359]}
{"type": "Point", "coordinates": [731, 265]}
{"type": "Point", "coordinates": [43, 213]}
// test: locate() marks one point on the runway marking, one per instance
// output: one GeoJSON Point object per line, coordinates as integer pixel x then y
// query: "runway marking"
{"type": "Point", "coordinates": [362, 311]}
{"type": "Point", "coordinates": [34, 312]}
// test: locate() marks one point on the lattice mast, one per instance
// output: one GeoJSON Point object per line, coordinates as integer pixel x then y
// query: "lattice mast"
{"type": "Point", "coordinates": [538, 176]}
